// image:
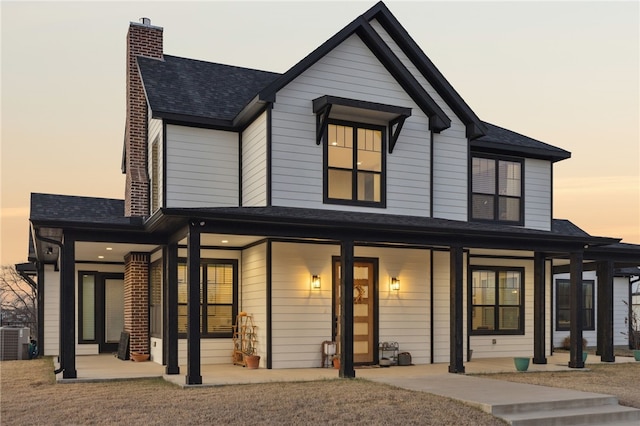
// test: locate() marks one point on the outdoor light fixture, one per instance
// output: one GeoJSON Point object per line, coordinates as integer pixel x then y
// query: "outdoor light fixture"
{"type": "Point", "coordinates": [395, 284]}
{"type": "Point", "coordinates": [315, 282]}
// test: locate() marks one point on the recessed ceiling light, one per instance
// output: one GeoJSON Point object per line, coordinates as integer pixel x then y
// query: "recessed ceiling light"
{"type": "Point", "coordinates": [225, 241]}
{"type": "Point", "coordinates": [334, 143]}
{"type": "Point", "coordinates": [109, 248]}
{"type": "Point", "coordinates": [100, 257]}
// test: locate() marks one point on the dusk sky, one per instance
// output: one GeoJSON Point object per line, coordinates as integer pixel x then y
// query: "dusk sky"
{"type": "Point", "coordinates": [566, 73]}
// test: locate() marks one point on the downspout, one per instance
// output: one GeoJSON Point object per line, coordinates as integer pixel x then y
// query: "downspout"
{"type": "Point", "coordinates": [60, 246]}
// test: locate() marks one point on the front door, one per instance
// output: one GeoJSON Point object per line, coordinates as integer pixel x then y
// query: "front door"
{"type": "Point", "coordinates": [101, 309]}
{"type": "Point", "coordinates": [364, 309]}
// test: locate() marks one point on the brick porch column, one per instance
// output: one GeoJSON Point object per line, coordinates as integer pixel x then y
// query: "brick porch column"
{"type": "Point", "coordinates": [136, 301]}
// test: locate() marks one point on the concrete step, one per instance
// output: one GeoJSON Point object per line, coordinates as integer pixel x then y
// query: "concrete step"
{"type": "Point", "coordinates": [597, 415]}
{"type": "Point", "coordinates": [559, 403]}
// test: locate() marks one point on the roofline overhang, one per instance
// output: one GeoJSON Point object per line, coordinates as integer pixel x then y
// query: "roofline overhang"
{"type": "Point", "coordinates": [234, 221]}
{"type": "Point", "coordinates": [508, 149]}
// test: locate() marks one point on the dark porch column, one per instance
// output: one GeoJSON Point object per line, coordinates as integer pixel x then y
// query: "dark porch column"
{"type": "Point", "coordinates": [40, 269]}
{"type": "Point", "coordinates": [171, 308]}
{"type": "Point", "coordinates": [194, 376]}
{"type": "Point", "coordinates": [456, 364]}
{"type": "Point", "coordinates": [346, 310]}
{"type": "Point", "coordinates": [539, 319]}
{"type": "Point", "coordinates": [576, 309]}
{"type": "Point", "coordinates": [605, 311]}
{"type": "Point", "coordinates": [68, 309]}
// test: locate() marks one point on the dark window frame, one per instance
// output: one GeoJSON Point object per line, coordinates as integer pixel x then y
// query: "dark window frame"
{"type": "Point", "coordinates": [354, 171]}
{"type": "Point", "coordinates": [203, 291]}
{"type": "Point", "coordinates": [98, 304]}
{"type": "Point", "coordinates": [496, 305]}
{"type": "Point", "coordinates": [585, 327]}
{"type": "Point", "coordinates": [496, 196]}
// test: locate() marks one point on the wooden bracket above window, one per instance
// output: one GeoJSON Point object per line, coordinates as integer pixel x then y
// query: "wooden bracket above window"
{"type": "Point", "coordinates": [322, 119]}
{"type": "Point", "coordinates": [395, 126]}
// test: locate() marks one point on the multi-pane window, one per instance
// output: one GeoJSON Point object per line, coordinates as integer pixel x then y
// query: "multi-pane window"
{"type": "Point", "coordinates": [354, 164]}
{"type": "Point", "coordinates": [218, 283]}
{"type": "Point", "coordinates": [496, 186]}
{"type": "Point", "coordinates": [497, 300]}
{"type": "Point", "coordinates": [155, 176]}
{"type": "Point", "coordinates": [563, 305]}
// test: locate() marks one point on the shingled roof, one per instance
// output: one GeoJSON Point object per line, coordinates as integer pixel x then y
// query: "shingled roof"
{"type": "Point", "coordinates": [190, 88]}
{"type": "Point", "coordinates": [53, 208]}
{"type": "Point", "coordinates": [502, 140]}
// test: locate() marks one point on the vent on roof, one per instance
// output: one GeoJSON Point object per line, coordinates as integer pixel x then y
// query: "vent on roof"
{"type": "Point", "coordinates": [145, 21]}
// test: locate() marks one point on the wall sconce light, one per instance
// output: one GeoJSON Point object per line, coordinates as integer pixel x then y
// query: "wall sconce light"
{"type": "Point", "coordinates": [395, 284]}
{"type": "Point", "coordinates": [315, 282]}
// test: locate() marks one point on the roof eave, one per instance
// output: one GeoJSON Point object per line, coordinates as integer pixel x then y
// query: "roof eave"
{"type": "Point", "coordinates": [529, 152]}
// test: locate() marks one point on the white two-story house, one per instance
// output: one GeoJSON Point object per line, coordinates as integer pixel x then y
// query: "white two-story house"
{"type": "Point", "coordinates": [355, 198]}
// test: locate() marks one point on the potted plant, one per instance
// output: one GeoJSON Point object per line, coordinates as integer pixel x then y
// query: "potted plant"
{"type": "Point", "coordinates": [139, 356]}
{"type": "Point", "coordinates": [634, 332]}
{"type": "Point", "coordinates": [336, 361]}
{"type": "Point", "coordinates": [251, 360]}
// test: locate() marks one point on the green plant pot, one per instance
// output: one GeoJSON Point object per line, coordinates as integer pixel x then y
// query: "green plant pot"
{"type": "Point", "coordinates": [584, 357]}
{"type": "Point", "coordinates": [522, 364]}
{"type": "Point", "coordinates": [636, 354]}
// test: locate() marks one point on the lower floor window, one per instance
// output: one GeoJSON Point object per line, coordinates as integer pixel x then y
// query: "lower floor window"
{"type": "Point", "coordinates": [218, 297]}
{"type": "Point", "coordinates": [497, 302]}
{"type": "Point", "coordinates": [563, 305]}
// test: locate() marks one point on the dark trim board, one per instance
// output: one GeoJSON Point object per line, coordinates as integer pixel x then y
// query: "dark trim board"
{"type": "Point", "coordinates": [269, 301]}
{"type": "Point", "coordinates": [269, 176]}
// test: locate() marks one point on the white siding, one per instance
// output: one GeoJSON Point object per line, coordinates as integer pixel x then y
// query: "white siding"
{"type": "Point", "coordinates": [155, 135]}
{"type": "Point", "coordinates": [350, 71]}
{"type": "Point", "coordinates": [202, 167]}
{"type": "Point", "coordinates": [620, 311]}
{"type": "Point", "coordinates": [254, 293]}
{"type": "Point", "coordinates": [506, 345]}
{"type": "Point", "coordinates": [404, 315]}
{"type": "Point", "coordinates": [450, 148]}
{"type": "Point", "coordinates": [51, 311]}
{"type": "Point", "coordinates": [254, 163]}
{"type": "Point", "coordinates": [537, 193]}
{"type": "Point", "coordinates": [301, 316]}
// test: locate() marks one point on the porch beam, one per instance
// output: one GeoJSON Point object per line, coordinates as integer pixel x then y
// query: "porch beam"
{"type": "Point", "coordinates": [40, 268]}
{"type": "Point", "coordinates": [605, 311]}
{"type": "Point", "coordinates": [194, 376]}
{"type": "Point", "coordinates": [576, 308]}
{"type": "Point", "coordinates": [346, 310]}
{"type": "Point", "coordinates": [539, 287]}
{"type": "Point", "coordinates": [456, 362]}
{"type": "Point", "coordinates": [68, 309]}
{"type": "Point", "coordinates": [171, 308]}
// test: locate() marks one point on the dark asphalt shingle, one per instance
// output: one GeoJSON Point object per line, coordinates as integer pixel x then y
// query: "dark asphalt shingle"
{"type": "Point", "coordinates": [201, 89]}
{"type": "Point", "coordinates": [69, 208]}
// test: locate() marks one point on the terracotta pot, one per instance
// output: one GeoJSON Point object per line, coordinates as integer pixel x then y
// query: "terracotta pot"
{"type": "Point", "coordinates": [252, 361]}
{"type": "Point", "coordinates": [139, 357]}
{"type": "Point", "coordinates": [336, 363]}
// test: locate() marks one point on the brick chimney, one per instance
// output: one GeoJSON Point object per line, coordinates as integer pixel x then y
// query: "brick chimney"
{"type": "Point", "coordinates": [143, 39]}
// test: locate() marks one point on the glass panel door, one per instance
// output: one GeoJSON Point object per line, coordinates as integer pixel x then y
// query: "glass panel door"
{"type": "Point", "coordinates": [113, 309]}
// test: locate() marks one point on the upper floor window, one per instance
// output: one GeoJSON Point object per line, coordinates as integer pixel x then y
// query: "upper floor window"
{"type": "Point", "coordinates": [496, 186]}
{"type": "Point", "coordinates": [563, 305]}
{"type": "Point", "coordinates": [497, 302]}
{"type": "Point", "coordinates": [354, 164]}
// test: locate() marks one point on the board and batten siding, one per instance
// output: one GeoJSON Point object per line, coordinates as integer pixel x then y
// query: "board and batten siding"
{"type": "Point", "coordinates": [202, 167]}
{"type": "Point", "coordinates": [254, 163]}
{"type": "Point", "coordinates": [450, 150]}
{"type": "Point", "coordinates": [537, 194]}
{"type": "Point", "coordinates": [348, 71]}
{"type": "Point", "coordinates": [404, 316]}
{"type": "Point", "coordinates": [155, 137]}
{"type": "Point", "coordinates": [253, 294]}
{"type": "Point", "coordinates": [507, 345]}
{"type": "Point", "coordinates": [301, 316]}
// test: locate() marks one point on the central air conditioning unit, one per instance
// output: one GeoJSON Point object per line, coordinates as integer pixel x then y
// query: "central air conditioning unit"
{"type": "Point", "coordinates": [14, 343]}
